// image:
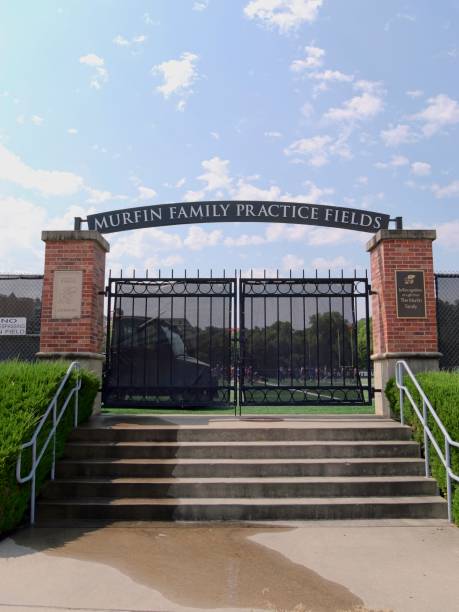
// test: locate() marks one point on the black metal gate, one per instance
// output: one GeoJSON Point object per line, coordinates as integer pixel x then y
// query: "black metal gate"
{"type": "Point", "coordinates": [299, 342]}
{"type": "Point", "coordinates": [219, 342]}
{"type": "Point", "coordinates": [170, 342]}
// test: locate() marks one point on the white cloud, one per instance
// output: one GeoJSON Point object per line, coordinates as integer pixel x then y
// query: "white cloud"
{"type": "Point", "coordinates": [179, 76]}
{"type": "Point", "coordinates": [247, 191]}
{"type": "Point", "coordinates": [273, 134]}
{"type": "Point", "coordinates": [215, 135]}
{"type": "Point", "coordinates": [395, 136]}
{"type": "Point", "coordinates": [193, 196]}
{"type": "Point", "coordinates": [100, 73]}
{"type": "Point", "coordinates": [340, 262]}
{"type": "Point", "coordinates": [314, 148]}
{"type": "Point", "coordinates": [20, 230]}
{"type": "Point", "coordinates": [358, 108]}
{"type": "Point", "coordinates": [47, 182]}
{"type": "Point", "coordinates": [319, 149]}
{"type": "Point", "coordinates": [292, 262]}
{"type": "Point", "coordinates": [180, 183]}
{"type": "Point", "coordinates": [72, 131]}
{"type": "Point", "coordinates": [396, 161]}
{"type": "Point", "coordinates": [20, 119]}
{"type": "Point", "coordinates": [414, 93]}
{"type": "Point", "coordinates": [421, 168]}
{"type": "Point", "coordinates": [447, 234]}
{"type": "Point", "coordinates": [156, 263]}
{"type": "Point", "coordinates": [244, 240]}
{"type": "Point", "coordinates": [146, 193]}
{"type": "Point", "coordinates": [440, 112]}
{"type": "Point", "coordinates": [200, 5]}
{"type": "Point", "coordinates": [309, 67]}
{"type": "Point", "coordinates": [331, 75]}
{"type": "Point", "coordinates": [198, 238]}
{"type": "Point", "coordinates": [121, 41]}
{"type": "Point", "coordinates": [97, 196]}
{"type": "Point", "coordinates": [216, 175]}
{"type": "Point", "coordinates": [448, 191]}
{"type": "Point", "coordinates": [37, 120]}
{"type": "Point", "coordinates": [313, 59]}
{"type": "Point", "coordinates": [285, 15]}
{"type": "Point", "coordinates": [146, 240]}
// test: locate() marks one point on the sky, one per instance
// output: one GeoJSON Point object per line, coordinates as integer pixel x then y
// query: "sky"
{"type": "Point", "coordinates": [108, 104]}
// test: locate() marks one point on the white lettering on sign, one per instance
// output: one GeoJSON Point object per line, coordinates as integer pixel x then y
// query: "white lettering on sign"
{"type": "Point", "coordinates": [13, 326]}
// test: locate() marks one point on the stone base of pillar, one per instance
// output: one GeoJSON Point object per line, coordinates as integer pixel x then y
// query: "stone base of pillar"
{"type": "Point", "coordinates": [384, 369]}
{"type": "Point", "coordinates": [93, 362]}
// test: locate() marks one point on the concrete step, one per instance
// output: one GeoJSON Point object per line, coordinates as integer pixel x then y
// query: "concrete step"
{"type": "Point", "coordinates": [241, 450]}
{"type": "Point", "coordinates": [233, 468]}
{"type": "Point", "coordinates": [241, 509]}
{"type": "Point", "coordinates": [390, 486]}
{"type": "Point", "coordinates": [320, 431]}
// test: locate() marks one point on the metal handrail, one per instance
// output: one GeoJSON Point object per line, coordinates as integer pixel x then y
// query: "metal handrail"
{"type": "Point", "coordinates": [445, 457]}
{"type": "Point", "coordinates": [74, 366]}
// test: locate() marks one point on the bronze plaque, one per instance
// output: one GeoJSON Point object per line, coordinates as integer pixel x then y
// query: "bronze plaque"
{"type": "Point", "coordinates": [411, 295]}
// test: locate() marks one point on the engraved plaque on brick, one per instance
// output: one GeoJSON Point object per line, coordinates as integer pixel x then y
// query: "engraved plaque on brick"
{"type": "Point", "coordinates": [67, 294]}
{"type": "Point", "coordinates": [411, 299]}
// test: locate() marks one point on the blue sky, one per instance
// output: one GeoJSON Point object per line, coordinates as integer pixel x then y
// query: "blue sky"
{"type": "Point", "coordinates": [107, 104]}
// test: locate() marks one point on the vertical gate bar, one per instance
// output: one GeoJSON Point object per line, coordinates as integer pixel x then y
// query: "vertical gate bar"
{"type": "Point", "coordinates": [368, 340]}
{"type": "Point", "coordinates": [291, 338]}
{"type": "Point", "coordinates": [171, 331]}
{"type": "Point", "coordinates": [198, 284]}
{"type": "Point", "coordinates": [184, 322]}
{"type": "Point", "coordinates": [131, 364]}
{"type": "Point", "coordinates": [304, 338]}
{"type": "Point", "coordinates": [108, 339]}
{"type": "Point", "coordinates": [264, 341]}
{"type": "Point", "coordinates": [343, 332]}
{"type": "Point", "coordinates": [240, 364]}
{"type": "Point", "coordinates": [251, 343]}
{"type": "Point", "coordinates": [230, 335]}
{"type": "Point", "coordinates": [158, 332]}
{"type": "Point", "coordinates": [145, 348]}
{"type": "Point", "coordinates": [226, 337]}
{"type": "Point", "coordinates": [355, 363]}
{"type": "Point", "coordinates": [278, 342]}
{"type": "Point", "coordinates": [330, 336]}
{"type": "Point", "coordinates": [211, 361]}
{"type": "Point", "coordinates": [117, 314]}
{"type": "Point", "coordinates": [317, 344]}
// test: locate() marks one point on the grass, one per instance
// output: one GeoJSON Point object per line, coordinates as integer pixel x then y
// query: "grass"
{"type": "Point", "coordinates": [246, 410]}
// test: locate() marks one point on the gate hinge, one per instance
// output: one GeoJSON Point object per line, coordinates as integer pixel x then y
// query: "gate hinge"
{"type": "Point", "coordinates": [104, 292]}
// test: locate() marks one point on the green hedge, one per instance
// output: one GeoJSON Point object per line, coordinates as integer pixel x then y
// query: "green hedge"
{"type": "Point", "coordinates": [442, 389]}
{"type": "Point", "coordinates": [26, 390]}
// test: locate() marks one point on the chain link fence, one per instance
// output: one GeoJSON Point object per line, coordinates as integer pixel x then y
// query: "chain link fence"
{"type": "Point", "coordinates": [447, 293]}
{"type": "Point", "coordinates": [20, 313]}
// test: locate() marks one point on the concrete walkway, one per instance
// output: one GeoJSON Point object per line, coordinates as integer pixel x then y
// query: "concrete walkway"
{"type": "Point", "coordinates": [403, 566]}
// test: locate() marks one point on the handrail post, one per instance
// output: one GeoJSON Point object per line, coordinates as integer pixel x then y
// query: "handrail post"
{"type": "Point", "coordinates": [32, 493]}
{"type": "Point", "coordinates": [399, 375]}
{"type": "Point", "coordinates": [448, 480]}
{"type": "Point", "coordinates": [426, 439]}
{"type": "Point", "coordinates": [77, 388]}
{"type": "Point", "coordinates": [53, 465]}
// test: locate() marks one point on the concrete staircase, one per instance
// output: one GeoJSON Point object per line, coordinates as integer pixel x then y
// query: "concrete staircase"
{"type": "Point", "coordinates": [199, 469]}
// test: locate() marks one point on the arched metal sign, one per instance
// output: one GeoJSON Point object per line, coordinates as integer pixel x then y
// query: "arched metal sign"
{"type": "Point", "coordinates": [183, 213]}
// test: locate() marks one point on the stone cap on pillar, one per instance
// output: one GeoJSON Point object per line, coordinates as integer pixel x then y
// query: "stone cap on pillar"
{"type": "Point", "coordinates": [397, 234]}
{"type": "Point", "coordinates": [59, 235]}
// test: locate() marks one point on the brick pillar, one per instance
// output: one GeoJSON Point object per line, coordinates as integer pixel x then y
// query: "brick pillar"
{"type": "Point", "coordinates": [397, 332]}
{"type": "Point", "coordinates": [72, 317]}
